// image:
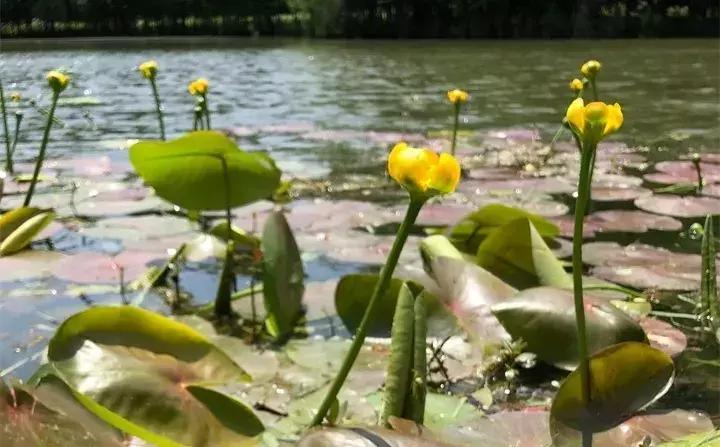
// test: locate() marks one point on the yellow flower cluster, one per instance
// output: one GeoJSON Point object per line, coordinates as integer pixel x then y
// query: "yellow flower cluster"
{"type": "Point", "coordinates": [422, 172]}
{"type": "Point", "coordinates": [458, 96]}
{"type": "Point", "coordinates": [594, 121]}
{"type": "Point", "coordinates": [590, 68]}
{"type": "Point", "coordinates": [148, 69]}
{"type": "Point", "coordinates": [198, 87]}
{"type": "Point", "coordinates": [57, 80]}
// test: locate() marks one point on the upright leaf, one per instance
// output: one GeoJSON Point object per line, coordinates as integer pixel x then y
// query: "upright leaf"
{"type": "Point", "coordinates": [708, 285]}
{"type": "Point", "coordinates": [517, 254]}
{"type": "Point", "coordinates": [283, 276]}
{"type": "Point", "coordinates": [19, 226]}
{"type": "Point", "coordinates": [204, 170]}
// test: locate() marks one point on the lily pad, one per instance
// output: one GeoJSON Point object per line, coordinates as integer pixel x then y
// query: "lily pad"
{"type": "Point", "coordinates": [20, 226]}
{"type": "Point", "coordinates": [154, 372]}
{"type": "Point", "coordinates": [624, 379]}
{"type": "Point", "coordinates": [618, 194]}
{"type": "Point", "coordinates": [29, 264]}
{"type": "Point", "coordinates": [619, 221]}
{"type": "Point", "coordinates": [677, 206]}
{"type": "Point", "coordinates": [664, 336]}
{"type": "Point", "coordinates": [93, 268]}
{"type": "Point", "coordinates": [517, 254]}
{"type": "Point", "coordinates": [204, 170]}
{"type": "Point", "coordinates": [670, 172]}
{"type": "Point", "coordinates": [544, 318]}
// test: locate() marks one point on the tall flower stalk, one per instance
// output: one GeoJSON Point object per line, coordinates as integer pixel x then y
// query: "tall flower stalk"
{"type": "Point", "coordinates": [199, 88]}
{"type": "Point", "coordinates": [8, 153]}
{"type": "Point", "coordinates": [58, 82]}
{"type": "Point", "coordinates": [457, 98]}
{"type": "Point", "coordinates": [423, 174]}
{"type": "Point", "coordinates": [590, 123]}
{"type": "Point", "coordinates": [149, 70]}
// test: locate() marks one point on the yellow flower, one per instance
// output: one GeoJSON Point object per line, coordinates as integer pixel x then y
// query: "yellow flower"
{"type": "Point", "coordinates": [590, 68]}
{"type": "Point", "coordinates": [198, 87]}
{"type": "Point", "coordinates": [457, 96]}
{"type": "Point", "coordinates": [15, 97]}
{"type": "Point", "coordinates": [576, 85]}
{"type": "Point", "coordinates": [422, 172]}
{"type": "Point", "coordinates": [593, 122]}
{"type": "Point", "coordinates": [58, 81]}
{"type": "Point", "coordinates": [148, 69]}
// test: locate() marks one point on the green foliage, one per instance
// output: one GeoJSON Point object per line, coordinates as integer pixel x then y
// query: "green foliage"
{"type": "Point", "coordinates": [19, 226]}
{"type": "Point", "coordinates": [283, 276]}
{"type": "Point", "coordinates": [205, 170]}
{"type": "Point", "coordinates": [352, 296]}
{"type": "Point", "coordinates": [708, 285]}
{"type": "Point", "coordinates": [543, 318]}
{"type": "Point", "coordinates": [472, 229]}
{"type": "Point", "coordinates": [517, 254]}
{"type": "Point", "coordinates": [624, 378]}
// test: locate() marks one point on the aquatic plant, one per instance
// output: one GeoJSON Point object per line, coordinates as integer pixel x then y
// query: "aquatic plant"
{"type": "Point", "coordinates": [457, 98]}
{"type": "Point", "coordinates": [149, 70]}
{"type": "Point", "coordinates": [423, 174]}
{"type": "Point", "coordinates": [6, 134]}
{"type": "Point", "coordinates": [199, 89]}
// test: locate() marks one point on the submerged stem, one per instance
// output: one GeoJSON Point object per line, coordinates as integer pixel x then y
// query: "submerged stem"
{"type": "Point", "coordinates": [456, 123]}
{"type": "Point", "coordinates": [43, 146]}
{"type": "Point", "coordinates": [158, 108]}
{"type": "Point", "coordinates": [586, 159]}
{"type": "Point", "coordinates": [8, 153]}
{"type": "Point", "coordinates": [380, 288]}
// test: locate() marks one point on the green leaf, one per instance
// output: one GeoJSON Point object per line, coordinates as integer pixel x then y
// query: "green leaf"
{"type": "Point", "coordinates": [138, 367]}
{"type": "Point", "coordinates": [708, 284]}
{"type": "Point", "coordinates": [417, 388]}
{"type": "Point", "coordinates": [199, 169]}
{"type": "Point", "coordinates": [229, 411]}
{"type": "Point", "coordinates": [49, 417]}
{"type": "Point", "coordinates": [544, 318]}
{"type": "Point", "coordinates": [517, 254]}
{"type": "Point", "coordinates": [18, 227]}
{"type": "Point", "coordinates": [470, 231]}
{"type": "Point", "coordinates": [283, 276]}
{"type": "Point", "coordinates": [242, 238]}
{"type": "Point", "coordinates": [624, 379]}
{"type": "Point", "coordinates": [709, 439]}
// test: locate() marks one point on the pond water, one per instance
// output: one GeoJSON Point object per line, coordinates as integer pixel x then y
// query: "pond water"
{"type": "Point", "coordinates": [324, 110]}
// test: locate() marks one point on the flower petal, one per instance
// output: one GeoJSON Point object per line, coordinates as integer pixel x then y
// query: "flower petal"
{"type": "Point", "coordinates": [445, 175]}
{"type": "Point", "coordinates": [576, 115]}
{"type": "Point", "coordinates": [614, 119]}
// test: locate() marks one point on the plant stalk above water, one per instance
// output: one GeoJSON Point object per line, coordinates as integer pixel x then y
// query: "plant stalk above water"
{"type": "Point", "coordinates": [158, 107]}
{"type": "Point", "coordinates": [8, 153]}
{"type": "Point", "coordinates": [456, 124]}
{"type": "Point", "coordinates": [43, 147]}
{"type": "Point", "coordinates": [380, 288]}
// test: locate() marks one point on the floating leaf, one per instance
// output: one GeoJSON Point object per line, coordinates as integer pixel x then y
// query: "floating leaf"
{"type": "Point", "coordinates": [205, 170]}
{"type": "Point", "coordinates": [153, 372]}
{"type": "Point", "coordinates": [544, 318]}
{"type": "Point", "coordinates": [474, 227]}
{"type": "Point", "coordinates": [676, 206]}
{"type": "Point", "coordinates": [92, 268]}
{"type": "Point", "coordinates": [283, 276]}
{"type": "Point", "coordinates": [624, 379]}
{"type": "Point", "coordinates": [240, 237]}
{"type": "Point", "coordinates": [619, 221]}
{"type": "Point", "coordinates": [517, 254]}
{"type": "Point", "coordinates": [19, 227]}
{"type": "Point", "coordinates": [664, 336]}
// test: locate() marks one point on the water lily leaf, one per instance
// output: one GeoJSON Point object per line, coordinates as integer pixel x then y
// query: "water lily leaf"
{"type": "Point", "coordinates": [624, 379]}
{"type": "Point", "coordinates": [517, 254]}
{"type": "Point", "coordinates": [528, 428]}
{"type": "Point", "coordinates": [283, 276]}
{"type": "Point", "coordinates": [18, 227]}
{"type": "Point", "coordinates": [46, 416]}
{"type": "Point", "coordinates": [708, 439]}
{"type": "Point", "coordinates": [93, 268]}
{"type": "Point", "coordinates": [152, 372]}
{"type": "Point", "coordinates": [441, 410]}
{"type": "Point", "coordinates": [544, 318]}
{"type": "Point", "coordinates": [613, 221]}
{"type": "Point", "coordinates": [677, 206]}
{"type": "Point", "coordinates": [204, 170]}
{"type": "Point", "coordinates": [664, 336]}
{"type": "Point", "coordinates": [242, 238]}
{"type": "Point", "coordinates": [474, 227]}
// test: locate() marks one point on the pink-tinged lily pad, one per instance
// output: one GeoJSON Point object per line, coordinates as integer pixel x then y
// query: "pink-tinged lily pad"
{"type": "Point", "coordinates": [110, 191]}
{"type": "Point", "coordinates": [492, 173]}
{"type": "Point", "coordinates": [103, 208]}
{"type": "Point", "coordinates": [324, 215]}
{"type": "Point", "coordinates": [93, 268]}
{"type": "Point", "coordinates": [546, 185]}
{"type": "Point", "coordinates": [90, 166]}
{"type": "Point", "coordinates": [28, 264]}
{"type": "Point", "coordinates": [670, 172]}
{"type": "Point", "coordinates": [611, 221]}
{"type": "Point", "coordinates": [664, 336]}
{"type": "Point", "coordinates": [643, 266]}
{"type": "Point", "coordinates": [49, 231]}
{"type": "Point", "coordinates": [711, 158]}
{"type": "Point", "coordinates": [439, 214]}
{"type": "Point", "coordinates": [356, 246]}
{"type": "Point", "coordinates": [712, 190]}
{"type": "Point", "coordinates": [528, 428]}
{"type": "Point", "coordinates": [515, 135]}
{"type": "Point", "coordinates": [658, 426]}
{"type": "Point", "coordinates": [676, 206]}
{"type": "Point", "coordinates": [363, 136]}
{"type": "Point", "coordinates": [618, 194]}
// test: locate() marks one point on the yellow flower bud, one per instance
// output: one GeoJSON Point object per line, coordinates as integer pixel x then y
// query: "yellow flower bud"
{"type": "Point", "coordinates": [148, 69]}
{"type": "Point", "coordinates": [590, 68]}
{"type": "Point", "coordinates": [422, 172]}
{"type": "Point", "coordinates": [58, 81]}
{"type": "Point", "coordinates": [198, 87]}
{"type": "Point", "coordinates": [576, 85]}
{"type": "Point", "coordinates": [594, 121]}
{"type": "Point", "coordinates": [15, 97]}
{"type": "Point", "coordinates": [457, 96]}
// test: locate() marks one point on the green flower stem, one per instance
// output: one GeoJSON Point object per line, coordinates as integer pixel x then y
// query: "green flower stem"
{"type": "Point", "coordinates": [698, 171]}
{"type": "Point", "coordinates": [456, 122]}
{"type": "Point", "coordinates": [43, 146]}
{"type": "Point", "coordinates": [206, 109]}
{"type": "Point", "coordinates": [586, 159]}
{"type": "Point", "coordinates": [594, 89]}
{"type": "Point", "coordinates": [158, 108]}
{"type": "Point", "coordinates": [8, 154]}
{"type": "Point", "coordinates": [380, 288]}
{"type": "Point", "coordinates": [18, 120]}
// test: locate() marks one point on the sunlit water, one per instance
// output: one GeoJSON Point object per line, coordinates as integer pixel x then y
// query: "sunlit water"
{"type": "Point", "coordinates": [668, 90]}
